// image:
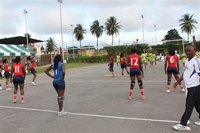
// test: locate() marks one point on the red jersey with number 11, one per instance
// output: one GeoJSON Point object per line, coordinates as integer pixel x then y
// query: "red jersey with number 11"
{"type": "Point", "coordinates": [134, 60]}
{"type": "Point", "coordinates": [17, 69]}
{"type": "Point", "coordinates": [171, 60]}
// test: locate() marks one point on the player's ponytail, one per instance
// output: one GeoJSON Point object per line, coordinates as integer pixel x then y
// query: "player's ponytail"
{"type": "Point", "coordinates": [56, 60]}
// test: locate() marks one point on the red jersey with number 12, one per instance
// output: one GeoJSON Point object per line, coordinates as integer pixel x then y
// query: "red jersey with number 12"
{"type": "Point", "coordinates": [134, 60]}
{"type": "Point", "coordinates": [171, 60]}
{"type": "Point", "coordinates": [17, 69]}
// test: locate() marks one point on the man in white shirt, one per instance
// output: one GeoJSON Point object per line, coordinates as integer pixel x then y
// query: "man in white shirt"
{"type": "Point", "coordinates": [192, 82]}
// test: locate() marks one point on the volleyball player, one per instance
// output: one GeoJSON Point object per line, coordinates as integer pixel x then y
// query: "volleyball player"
{"type": "Point", "coordinates": [6, 73]}
{"type": "Point", "coordinates": [58, 68]}
{"type": "Point", "coordinates": [19, 73]}
{"type": "Point", "coordinates": [172, 67]}
{"type": "Point", "coordinates": [134, 61]}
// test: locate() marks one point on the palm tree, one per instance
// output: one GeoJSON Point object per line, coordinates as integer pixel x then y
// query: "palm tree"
{"type": "Point", "coordinates": [97, 30]}
{"type": "Point", "coordinates": [50, 45]}
{"type": "Point", "coordinates": [187, 24]}
{"type": "Point", "coordinates": [112, 27]}
{"type": "Point", "coordinates": [79, 31]}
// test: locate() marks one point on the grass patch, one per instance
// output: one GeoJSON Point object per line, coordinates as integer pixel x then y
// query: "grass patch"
{"type": "Point", "coordinates": [67, 66]}
{"type": "Point", "coordinates": [41, 69]}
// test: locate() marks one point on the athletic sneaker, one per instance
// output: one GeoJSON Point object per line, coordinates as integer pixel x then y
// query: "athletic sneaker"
{"type": "Point", "coordinates": [62, 113]}
{"type": "Point", "coordinates": [183, 90]}
{"type": "Point", "coordinates": [167, 91]}
{"type": "Point", "coordinates": [180, 127]}
{"type": "Point", "coordinates": [14, 101]}
{"type": "Point", "coordinates": [129, 97]}
{"type": "Point", "coordinates": [143, 97]}
{"type": "Point", "coordinates": [8, 89]}
{"type": "Point", "coordinates": [197, 123]}
{"type": "Point", "coordinates": [22, 102]}
{"type": "Point", "coordinates": [33, 84]}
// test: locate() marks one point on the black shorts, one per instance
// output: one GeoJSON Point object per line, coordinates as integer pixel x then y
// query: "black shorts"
{"type": "Point", "coordinates": [7, 74]}
{"type": "Point", "coordinates": [111, 67]}
{"type": "Point", "coordinates": [59, 84]}
{"type": "Point", "coordinates": [123, 65]}
{"type": "Point", "coordinates": [32, 70]}
{"type": "Point", "coordinates": [172, 70]}
{"type": "Point", "coordinates": [135, 72]}
{"type": "Point", "coordinates": [18, 80]}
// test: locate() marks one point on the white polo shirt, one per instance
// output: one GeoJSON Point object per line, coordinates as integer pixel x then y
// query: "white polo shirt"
{"type": "Point", "coordinates": [190, 75]}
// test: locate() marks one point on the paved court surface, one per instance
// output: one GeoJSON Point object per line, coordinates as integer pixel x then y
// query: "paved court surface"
{"type": "Point", "coordinates": [96, 102]}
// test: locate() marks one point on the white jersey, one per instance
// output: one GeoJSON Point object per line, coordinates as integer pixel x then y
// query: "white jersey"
{"type": "Point", "coordinates": [190, 75]}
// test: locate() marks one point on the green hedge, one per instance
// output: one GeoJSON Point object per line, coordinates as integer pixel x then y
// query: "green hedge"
{"type": "Point", "coordinates": [89, 59]}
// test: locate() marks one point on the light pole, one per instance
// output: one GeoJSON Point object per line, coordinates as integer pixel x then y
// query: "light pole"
{"type": "Point", "coordinates": [25, 12]}
{"type": "Point", "coordinates": [60, 1]}
{"type": "Point", "coordinates": [142, 27]}
{"type": "Point", "coordinates": [72, 40]}
{"type": "Point", "coordinates": [155, 33]}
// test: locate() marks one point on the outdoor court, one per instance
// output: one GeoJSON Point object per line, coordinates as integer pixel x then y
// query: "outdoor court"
{"type": "Point", "coordinates": [96, 102]}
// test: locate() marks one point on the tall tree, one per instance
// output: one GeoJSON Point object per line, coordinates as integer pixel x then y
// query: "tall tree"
{"type": "Point", "coordinates": [79, 31]}
{"type": "Point", "coordinates": [112, 27]}
{"type": "Point", "coordinates": [96, 30]}
{"type": "Point", "coordinates": [50, 45]}
{"type": "Point", "coordinates": [187, 24]}
{"type": "Point", "coordinates": [172, 35]}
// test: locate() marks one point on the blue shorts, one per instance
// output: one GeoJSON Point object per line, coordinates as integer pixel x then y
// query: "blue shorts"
{"type": "Point", "coordinates": [18, 80]}
{"type": "Point", "coordinates": [111, 67]}
{"type": "Point", "coordinates": [32, 70]}
{"type": "Point", "coordinates": [123, 65]}
{"type": "Point", "coordinates": [135, 72]}
{"type": "Point", "coordinates": [172, 70]}
{"type": "Point", "coordinates": [59, 85]}
{"type": "Point", "coordinates": [6, 74]}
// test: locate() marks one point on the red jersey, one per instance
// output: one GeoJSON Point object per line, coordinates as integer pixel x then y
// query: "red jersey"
{"type": "Point", "coordinates": [122, 60]}
{"type": "Point", "coordinates": [134, 60]}
{"type": "Point", "coordinates": [32, 64]}
{"type": "Point", "coordinates": [172, 60]}
{"type": "Point", "coordinates": [111, 59]}
{"type": "Point", "coordinates": [17, 69]}
{"type": "Point", "coordinates": [5, 65]}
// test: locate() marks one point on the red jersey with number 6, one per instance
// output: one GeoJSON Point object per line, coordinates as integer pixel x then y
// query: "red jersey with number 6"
{"type": "Point", "coordinates": [17, 69]}
{"type": "Point", "coordinates": [171, 60]}
{"type": "Point", "coordinates": [134, 60]}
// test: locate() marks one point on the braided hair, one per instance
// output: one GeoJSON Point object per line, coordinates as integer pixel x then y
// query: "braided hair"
{"type": "Point", "coordinates": [57, 59]}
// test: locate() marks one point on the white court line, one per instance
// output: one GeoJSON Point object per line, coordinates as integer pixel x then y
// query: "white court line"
{"type": "Point", "coordinates": [102, 81]}
{"type": "Point", "coordinates": [92, 115]}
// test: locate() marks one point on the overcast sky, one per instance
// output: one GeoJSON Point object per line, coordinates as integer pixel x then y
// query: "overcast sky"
{"type": "Point", "coordinates": [43, 19]}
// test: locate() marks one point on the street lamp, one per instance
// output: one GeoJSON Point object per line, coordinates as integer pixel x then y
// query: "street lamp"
{"type": "Point", "coordinates": [72, 40]}
{"type": "Point", "coordinates": [155, 33]}
{"type": "Point", "coordinates": [60, 1]}
{"type": "Point", "coordinates": [142, 27]}
{"type": "Point", "coordinates": [25, 12]}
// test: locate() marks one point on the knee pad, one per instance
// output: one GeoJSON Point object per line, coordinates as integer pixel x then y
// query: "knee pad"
{"type": "Point", "coordinates": [132, 83]}
{"type": "Point", "coordinates": [169, 80]}
{"type": "Point", "coordinates": [140, 83]}
{"type": "Point", "coordinates": [61, 98]}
